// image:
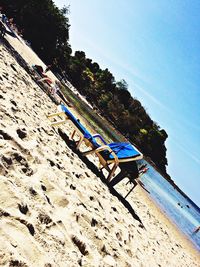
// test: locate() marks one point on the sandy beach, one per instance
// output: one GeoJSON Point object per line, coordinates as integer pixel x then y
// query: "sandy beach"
{"type": "Point", "coordinates": [54, 210]}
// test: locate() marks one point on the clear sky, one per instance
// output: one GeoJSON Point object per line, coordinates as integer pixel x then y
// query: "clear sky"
{"type": "Point", "coordinates": [155, 47]}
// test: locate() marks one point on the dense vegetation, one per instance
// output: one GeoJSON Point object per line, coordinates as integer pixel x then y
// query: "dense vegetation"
{"type": "Point", "coordinates": [47, 29]}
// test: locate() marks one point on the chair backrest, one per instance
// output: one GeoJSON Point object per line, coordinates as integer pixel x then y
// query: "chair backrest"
{"type": "Point", "coordinates": [79, 125]}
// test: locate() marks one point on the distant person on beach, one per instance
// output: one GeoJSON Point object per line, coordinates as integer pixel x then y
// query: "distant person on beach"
{"type": "Point", "coordinates": [196, 230]}
{"type": "Point", "coordinates": [55, 88]}
{"type": "Point", "coordinates": [48, 68]}
{"type": "Point", "coordinates": [53, 66]}
{"type": "Point", "coordinates": [144, 170]}
{"type": "Point", "coordinates": [4, 19]}
{"type": "Point", "coordinates": [39, 69]}
{"type": "Point", "coordinates": [2, 29]}
{"type": "Point", "coordinates": [142, 166]}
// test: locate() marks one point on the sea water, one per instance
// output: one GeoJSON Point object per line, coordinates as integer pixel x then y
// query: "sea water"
{"type": "Point", "coordinates": [178, 209]}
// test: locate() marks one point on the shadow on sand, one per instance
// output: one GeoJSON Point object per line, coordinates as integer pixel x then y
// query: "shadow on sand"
{"type": "Point", "coordinates": [71, 144]}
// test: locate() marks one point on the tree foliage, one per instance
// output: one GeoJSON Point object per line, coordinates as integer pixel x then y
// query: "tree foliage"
{"type": "Point", "coordinates": [44, 25]}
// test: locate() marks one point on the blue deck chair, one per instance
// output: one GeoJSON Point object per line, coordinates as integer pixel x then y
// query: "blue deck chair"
{"type": "Point", "coordinates": [110, 155]}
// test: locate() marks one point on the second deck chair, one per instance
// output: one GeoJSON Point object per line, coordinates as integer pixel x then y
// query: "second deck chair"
{"type": "Point", "coordinates": [110, 155]}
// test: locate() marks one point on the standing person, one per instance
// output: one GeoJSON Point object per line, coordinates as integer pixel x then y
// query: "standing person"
{"type": "Point", "coordinates": [196, 230]}
{"type": "Point", "coordinates": [2, 29]}
{"type": "Point", "coordinates": [145, 169]}
{"type": "Point", "coordinates": [56, 91]}
{"type": "Point", "coordinates": [55, 88]}
{"type": "Point", "coordinates": [48, 68]}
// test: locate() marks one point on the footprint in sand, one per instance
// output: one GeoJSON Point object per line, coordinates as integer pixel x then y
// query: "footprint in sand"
{"type": "Point", "coordinates": [5, 214]}
{"type": "Point", "coordinates": [15, 161]}
{"type": "Point", "coordinates": [13, 230]}
{"type": "Point", "coordinates": [16, 157]}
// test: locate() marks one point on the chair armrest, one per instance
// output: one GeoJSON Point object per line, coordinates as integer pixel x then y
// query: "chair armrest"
{"type": "Point", "coordinates": [103, 148]}
{"type": "Point", "coordinates": [100, 137]}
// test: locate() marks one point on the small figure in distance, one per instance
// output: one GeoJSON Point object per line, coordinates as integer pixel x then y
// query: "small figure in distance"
{"type": "Point", "coordinates": [52, 66]}
{"type": "Point", "coordinates": [2, 29]}
{"type": "Point", "coordinates": [196, 230]}
{"type": "Point", "coordinates": [48, 68]}
{"type": "Point", "coordinates": [144, 170]}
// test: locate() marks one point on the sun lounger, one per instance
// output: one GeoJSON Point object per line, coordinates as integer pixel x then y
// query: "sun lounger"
{"type": "Point", "coordinates": [110, 155]}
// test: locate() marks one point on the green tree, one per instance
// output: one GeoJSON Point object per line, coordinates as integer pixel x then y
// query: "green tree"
{"type": "Point", "coordinates": [44, 25]}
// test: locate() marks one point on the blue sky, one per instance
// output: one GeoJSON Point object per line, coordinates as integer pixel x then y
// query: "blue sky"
{"type": "Point", "coordinates": [155, 47]}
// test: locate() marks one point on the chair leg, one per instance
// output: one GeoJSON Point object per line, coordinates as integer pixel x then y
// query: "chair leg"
{"type": "Point", "coordinates": [112, 172]}
{"type": "Point", "coordinates": [105, 167]}
{"type": "Point", "coordinates": [58, 122]}
{"type": "Point", "coordinates": [79, 142]}
{"type": "Point", "coordinates": [88, 152]}
{"type": "Point", "coordinates": [55, 114]}
{"type": "Point", "coordinates": [134, 185]}
{"type": "Point", "coordinates": [120, 176]}
{"type": "Point", "coordinates": [73, 134]}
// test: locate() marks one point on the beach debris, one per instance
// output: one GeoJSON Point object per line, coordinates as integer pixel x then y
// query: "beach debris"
{"type": "Point", "coordinates": [72, 187]}
{"type": "Point", "coordinates": [4, 213]}
{"type": "Point", "coordinates": [104, 250]}
{"type": "Point", "coordinates": [5, 135]}
{"type": "Point", "coordinates": [43, 187]}
{"type": "Point", "coordinates": [48, 200]}
{"type": "Point", "coordinates": [21, 133]}
{"type": "Point", "coordinates": [13, 67]}
{"type": "Point", "coordinates": [44, 218]}
{"type": "Point", "coordinates": [32, 191]}
{"type": "Point", "coordinates": [51, 162]}
{"type": "Point", "coordinates": [3, 169]}
{"type": "Point", "coordinates": [23, 208]}
{"type": "Point", "coordinates": [13, 102]}
{"type": "Point", "coordinates": [114, 209]}
{"type": "Point", "coordinates": [94, 222]}
{"type": "Point", "coordinates": [16, 263]}
{"type": "Point", "coordinates": [86, 173]}
{"type": "Point", "coordinates": [80, 244]}
{"type": "Point", "coordinates": [28, 225]}
{"type": "Point", "coordinates": [6, 160]}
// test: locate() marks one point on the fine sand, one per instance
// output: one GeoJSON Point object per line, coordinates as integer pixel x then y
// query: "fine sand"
{"type": "Point", "coordinates": [54, 210]}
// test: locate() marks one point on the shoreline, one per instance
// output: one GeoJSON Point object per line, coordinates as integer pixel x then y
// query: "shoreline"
{"type": "Point", "coordinates": [188, 243]}
{"type": "Point", "coordinates": [156, 209]}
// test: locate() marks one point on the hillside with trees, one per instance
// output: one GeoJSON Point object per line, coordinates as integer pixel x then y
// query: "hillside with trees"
{"type": "Point", "coordinates": [46, 27]}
